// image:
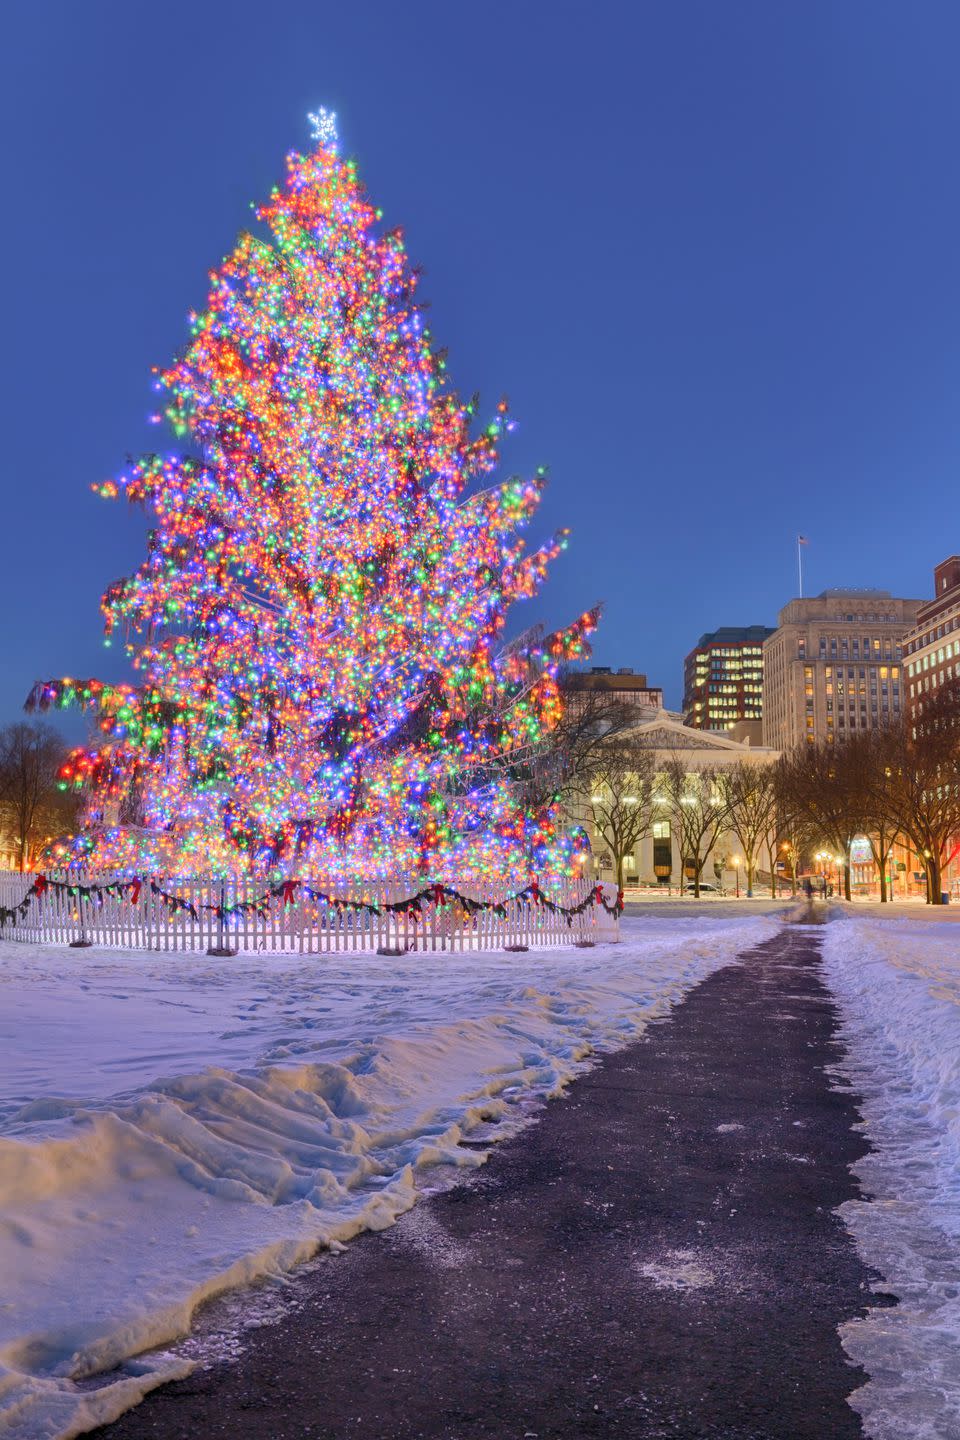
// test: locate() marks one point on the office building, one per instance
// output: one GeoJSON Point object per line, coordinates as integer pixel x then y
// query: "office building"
{"type": "Point", "coordinates": [723, 678]}
{"type": "Point", "coordinates": [625, 686]}
{"type": "Point", "coordinates": [835, 665]}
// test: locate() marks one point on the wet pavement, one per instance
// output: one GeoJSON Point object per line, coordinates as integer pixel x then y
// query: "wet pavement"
{"type": "Point", "coordinates": [657, 1256]}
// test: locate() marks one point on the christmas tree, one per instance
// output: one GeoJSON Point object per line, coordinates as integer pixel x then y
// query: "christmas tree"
{"type": "Point", "coordinates": [318, 624]}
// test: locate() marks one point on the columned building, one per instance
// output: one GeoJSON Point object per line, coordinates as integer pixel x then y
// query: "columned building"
{"type": "Point", "coordinates": [664, 733]}
{"type": "Point", "coordinates": [835, 665]}
{"type": "Point", "coordinates": [931, 651]}
{"type": "Point", "coordinates": [723, 678]}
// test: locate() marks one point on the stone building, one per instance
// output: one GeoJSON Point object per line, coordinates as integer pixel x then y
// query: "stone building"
{"type": "Point", "coordinates": [835, 664]}
{"type": "Point", "coordinates": [665, 734]}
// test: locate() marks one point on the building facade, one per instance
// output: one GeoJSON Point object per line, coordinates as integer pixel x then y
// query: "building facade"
{"type": "Point", "coordinates": [723, 678]}
{"type": "Point", "coordinates": [625, 686]}
{"type": "Point", "coordinates": [835, 665]}
{"type": "Point", "coordinates": [931, 651]}
{"type": "Point", "coordinates": [656, 859]}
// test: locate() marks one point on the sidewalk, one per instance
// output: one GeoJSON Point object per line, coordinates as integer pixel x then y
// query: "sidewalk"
{"type": "Point", "coordinates": [657, 1256]}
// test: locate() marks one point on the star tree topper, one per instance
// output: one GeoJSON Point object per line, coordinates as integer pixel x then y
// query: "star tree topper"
{"type": "Point", "coordinates": [323, 126]}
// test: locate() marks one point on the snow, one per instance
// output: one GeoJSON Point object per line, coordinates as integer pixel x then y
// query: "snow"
{"type": "Point", "coordinates": [172, 1126]}
{"type": "Point", "coordinates": [898, 985]}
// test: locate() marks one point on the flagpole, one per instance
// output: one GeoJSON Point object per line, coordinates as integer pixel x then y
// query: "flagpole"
{"type": "Point", "coordinates": [800, 565]}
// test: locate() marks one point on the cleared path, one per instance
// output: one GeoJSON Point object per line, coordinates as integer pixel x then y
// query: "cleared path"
{"type": "Point", "coordinates": [656, 1257]}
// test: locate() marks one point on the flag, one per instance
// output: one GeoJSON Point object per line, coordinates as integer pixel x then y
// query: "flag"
{"type": "Point", "coordinates": [802, 540]}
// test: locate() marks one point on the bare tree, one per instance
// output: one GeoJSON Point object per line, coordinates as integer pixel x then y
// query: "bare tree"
{"type": "Point", "coordinates": [613, 790]}
{"type": "Point", "coordinates": [590, 723]}
{"type": "Point", "coordinates": [874, 761]}
{"type": "Point", "coordinates": [699, 804]}
{"type": "Point", "coordinates": [922, 784]}
{"type": "Point", "coordinates": [753, 812]}
{"type": "Point", "coordinates": [821, 787]}
{"type": "Point", "coordinates": [32, 808]}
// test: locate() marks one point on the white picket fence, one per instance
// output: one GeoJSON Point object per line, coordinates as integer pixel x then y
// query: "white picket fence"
{"type": "Point", "coordinates": [307, 926]}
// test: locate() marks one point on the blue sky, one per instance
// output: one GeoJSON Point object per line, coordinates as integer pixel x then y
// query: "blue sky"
{"type": "Point", "coordinates": [709, 250]}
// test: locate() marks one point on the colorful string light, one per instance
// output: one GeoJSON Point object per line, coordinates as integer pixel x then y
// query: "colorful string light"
{"type": "Point", "coordinates": [319, 620]}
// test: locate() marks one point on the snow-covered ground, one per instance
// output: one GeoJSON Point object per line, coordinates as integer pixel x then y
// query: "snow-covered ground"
{"type": "Point", "coordinates": [898, 984]}
{"type": "Point", "coordinates": [172, 1126]}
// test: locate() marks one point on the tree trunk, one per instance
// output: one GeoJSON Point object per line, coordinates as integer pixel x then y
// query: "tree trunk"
{"type": "Point", "coordinates": [883, 884]}
{"type": "Point", "coordinates": [750, 868]}
{"type": "Point", "coordinates": [934, 880]}
{"type": "Point", "coordinates": [619, 872]}
{"type": "Point", "coordinates": [846, 881]}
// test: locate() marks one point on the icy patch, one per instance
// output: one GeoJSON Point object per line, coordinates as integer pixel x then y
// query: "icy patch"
{"type": "Point", "coordinates": [431, 1239]}
{"type": "Point", "coordinates": [174, 1126]}
{"type": "Point", "coordinates": [678, 1270]}
{"type": "Point", "coordinates": [898, 986]}
{"type": "Point", "coordinates": [729, 1128]}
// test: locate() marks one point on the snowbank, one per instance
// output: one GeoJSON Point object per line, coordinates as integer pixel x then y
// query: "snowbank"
{"type": "Point", "coordinates": [898, 984]}
{"type": "Point", "coordinates": [172, 1126]}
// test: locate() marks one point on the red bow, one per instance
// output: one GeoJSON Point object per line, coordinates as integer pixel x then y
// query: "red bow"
{"type": "Point", "coordinates": [39, 884]}
{"type": "Point", "coordinates": [135, 891]}
{"type": "Point", "coordinates": [289, 892]}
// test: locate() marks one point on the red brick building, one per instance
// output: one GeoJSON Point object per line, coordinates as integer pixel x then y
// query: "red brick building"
{"type": "Point", "coordinates": [931, 651]}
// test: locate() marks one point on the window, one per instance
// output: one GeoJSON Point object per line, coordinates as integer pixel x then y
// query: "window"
{"type": "Point", "coordinates": [661, 830]}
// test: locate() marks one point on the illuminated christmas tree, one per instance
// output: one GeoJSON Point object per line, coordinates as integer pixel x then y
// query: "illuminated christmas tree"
{"type": "Point", "coordinates": [319, 622]}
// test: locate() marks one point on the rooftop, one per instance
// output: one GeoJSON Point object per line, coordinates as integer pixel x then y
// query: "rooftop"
{"type": "Point", "coordinates": [604, 677]}
{"type": "Point", "coordinates": [735, 635]}
{"type": "Point", "coordinates": [854, 594]}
